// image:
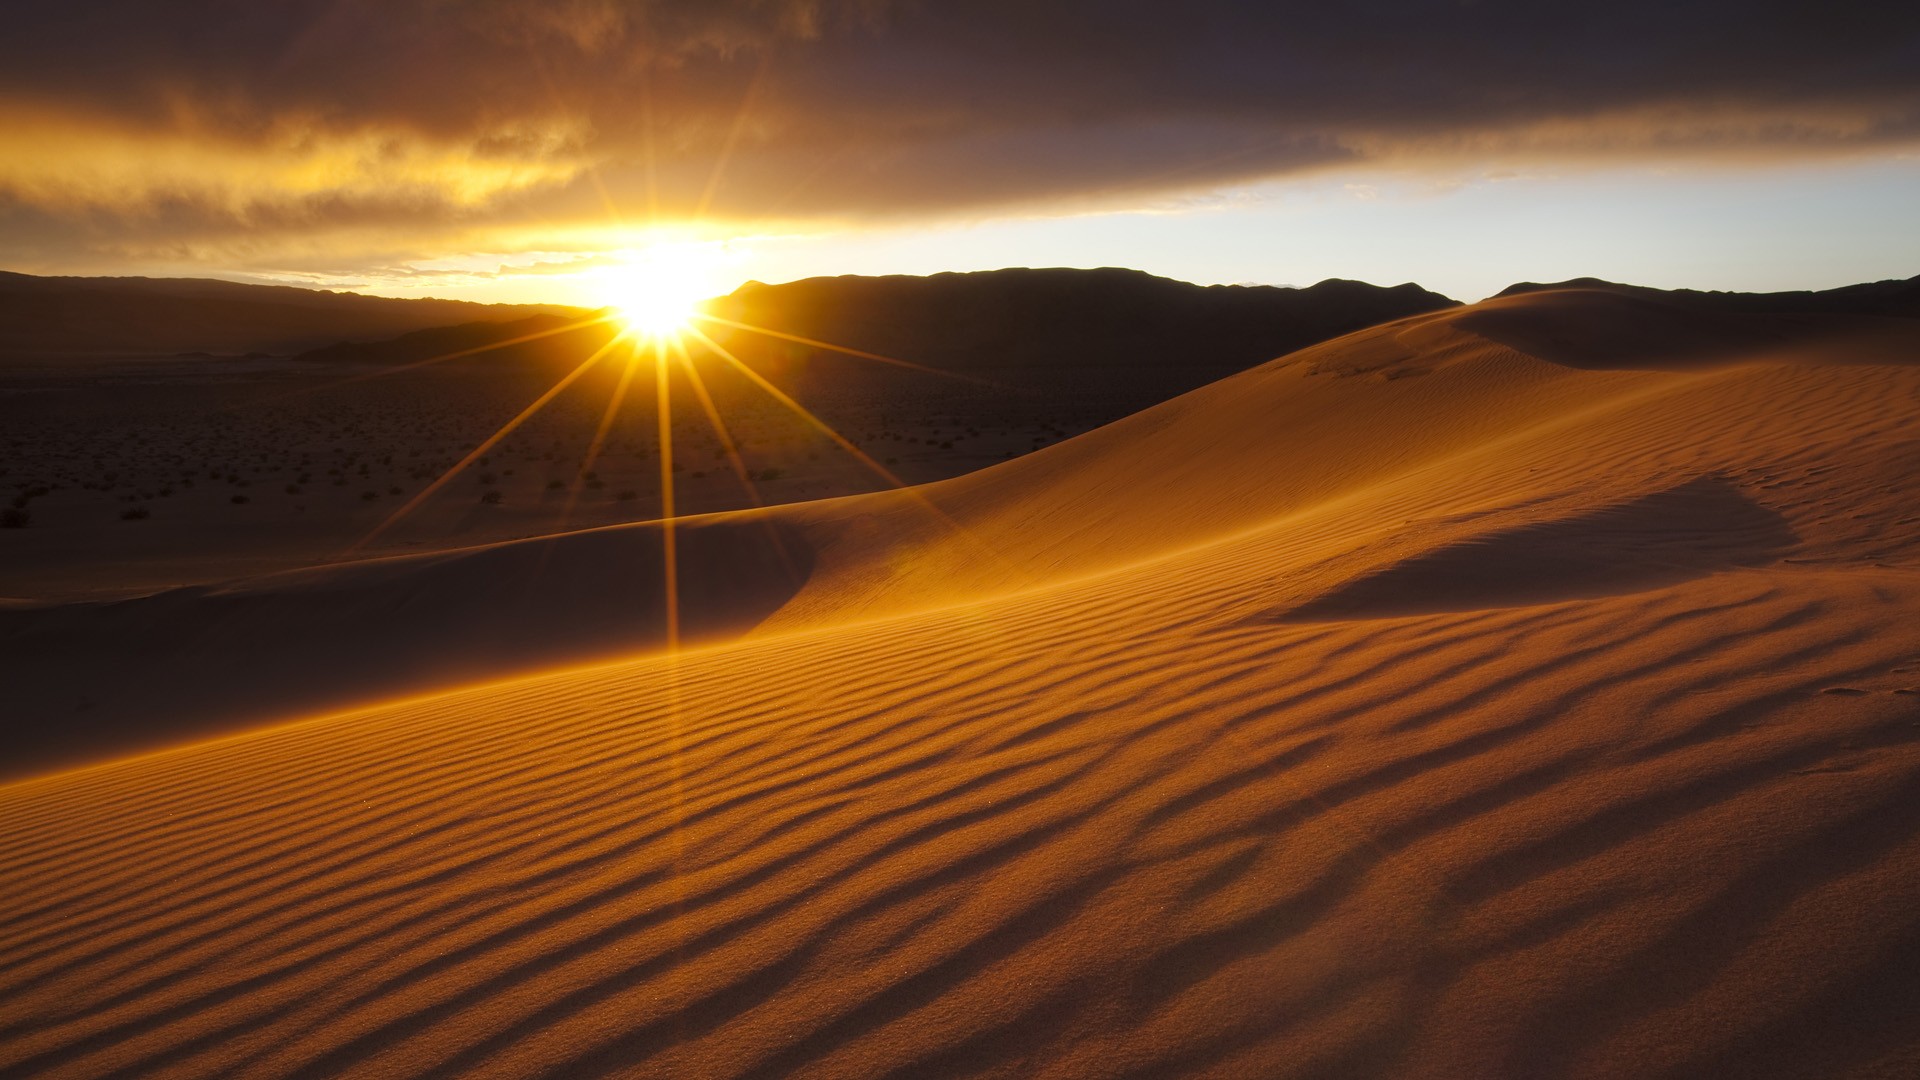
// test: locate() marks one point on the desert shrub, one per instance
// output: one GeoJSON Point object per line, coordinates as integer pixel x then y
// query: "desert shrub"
{"type": "Point", "coordinates": [771, 474]}
{"type": "Point", "coordinates": [555, 485]}
{"type": "Point", "coordinates": [393, 491]}
{"type": "Point", "coordinates": [627, 496]}
{"type": "Point", "coordinates": [135, 513]}
{"type": "Point", "coordinates": [369, 496]}
{"type": "Point", "coordinates": [491, 498]}
{"type": "Point", "coordinates": [239, 499]}
{"type": "Point", "coordinates": [293, 489]}
{"type": "Point", "coordinates": [488, 479]}
{"type": "Point", "coordinates": [14, 518]}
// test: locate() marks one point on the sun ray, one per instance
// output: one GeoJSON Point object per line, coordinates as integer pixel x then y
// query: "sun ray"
{"type": "Point", "coordinates": [490, 442]}
{"type": "Point", "coordinates": [614, 401]}
{"type": "Point", "coordinates": [734, 459]}
{"type": "Point", "coordinates": [719, 426]}
{"type": "Point", "coordinates": [798, 409]}
{"type": "Point", "coordinates": [984, 550]}
{"type": "Point", "coordinates": [663, 392]}
{"type": "Point", "coordinates": [733, 138]}
{"type": "Point", "coordinates": [559, 105]}
{"type": "Point", "coordinates": [861, 353]}
{"type": "Point", "coordinates": [478, 349]}
{"type": "Point", "coordinates": [579, 324]}
{"type": "Point", "coordinates": [647, 147]}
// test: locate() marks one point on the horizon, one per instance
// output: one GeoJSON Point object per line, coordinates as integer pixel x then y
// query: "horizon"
{"type": "Point", "coordinates": [239, 279]}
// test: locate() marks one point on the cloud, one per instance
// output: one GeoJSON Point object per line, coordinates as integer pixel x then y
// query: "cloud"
{"type": "Point", "coordinates": [224, 125]}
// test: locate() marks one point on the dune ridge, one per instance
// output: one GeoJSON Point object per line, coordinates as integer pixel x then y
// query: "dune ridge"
{"type": "Point", "coordinates": [1146, 755]}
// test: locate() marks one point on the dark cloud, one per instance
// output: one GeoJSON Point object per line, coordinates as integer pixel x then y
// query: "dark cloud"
{"type": "Point", "coordinates": [299, 115]}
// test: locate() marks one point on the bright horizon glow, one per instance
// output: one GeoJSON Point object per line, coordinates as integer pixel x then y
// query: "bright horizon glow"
{"type": "Point", "coordinates": [657, 290]}
{"type": "Point", "coordinates": [1806, 226]}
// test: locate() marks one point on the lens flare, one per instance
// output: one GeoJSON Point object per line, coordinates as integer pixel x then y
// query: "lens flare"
{"type": "Point", "coordinates": [657, 291]}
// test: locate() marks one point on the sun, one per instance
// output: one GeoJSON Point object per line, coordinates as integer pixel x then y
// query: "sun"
{"type": "Point", "coordinates": [657, 291]}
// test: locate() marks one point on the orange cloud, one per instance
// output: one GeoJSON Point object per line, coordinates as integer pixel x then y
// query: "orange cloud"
{"type": "Point", "coordinates": [398, 127]}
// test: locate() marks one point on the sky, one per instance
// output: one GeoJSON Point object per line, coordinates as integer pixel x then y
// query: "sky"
{"type": "Point", "coordinates": [521, 150]}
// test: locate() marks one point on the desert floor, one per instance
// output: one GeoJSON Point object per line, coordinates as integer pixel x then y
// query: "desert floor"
{"type": "Point", "coordinates": [140, 473]}
{"type": "Point", "coordinates": [1529, 689]}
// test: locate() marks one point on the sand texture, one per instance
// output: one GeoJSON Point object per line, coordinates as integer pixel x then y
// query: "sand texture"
{"type": "Point", "coordinates": [1478, 695]}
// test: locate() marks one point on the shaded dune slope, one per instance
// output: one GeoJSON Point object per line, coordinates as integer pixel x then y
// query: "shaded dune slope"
{"type": "Point", "coordinates": [1697, 528]}
{"type": "Point", "coordinates": [86, 680]}
{"type": "Point", "coordinates": [1410, 706]}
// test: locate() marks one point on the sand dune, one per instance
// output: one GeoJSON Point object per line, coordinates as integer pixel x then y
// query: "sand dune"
{"type": "Point", "coordinates": [1417, 704]}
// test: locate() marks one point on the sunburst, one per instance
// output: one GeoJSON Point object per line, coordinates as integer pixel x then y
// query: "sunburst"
{"type": "Point", "coordinates": [657, 295]}
{"type": "Point", "coordinates": [656, 291]}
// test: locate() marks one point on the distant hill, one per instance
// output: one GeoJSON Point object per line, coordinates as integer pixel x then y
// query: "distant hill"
{"type": "Point", "coordinates": [1032, 320]}
{"type": "Point", "coordinates": [1027, 326]}
{"type": "Point", "coordinates": [74, 315]}
{"type": "Point", "coordinates": [485, 342]}
{"type": "Point", "coordinates": [1894, 298]}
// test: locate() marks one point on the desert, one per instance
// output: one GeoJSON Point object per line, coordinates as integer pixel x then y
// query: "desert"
{"type": "Point", "coordinates": [910, 539]}
{"type": "Point", "coordinates": [1421, 681]}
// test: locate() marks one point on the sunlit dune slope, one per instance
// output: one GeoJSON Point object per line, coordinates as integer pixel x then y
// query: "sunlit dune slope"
{"type": "Point", "coordinates": [1419, 419]}
{"type": "Point", "coordinates": [1414, 705]}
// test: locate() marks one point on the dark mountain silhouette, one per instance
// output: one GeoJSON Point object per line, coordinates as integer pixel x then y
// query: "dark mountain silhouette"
{"type": "Point", "coordinates": [475, 342]}
{"type": "Point", "coordinates": [1006, 321]}
{"type": "Point", "coordinates": [1896, 298]}
{"type": "Point", "coordinates": [1025, 327]}
{"type": "Point", "coordinates": [131, 315]}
